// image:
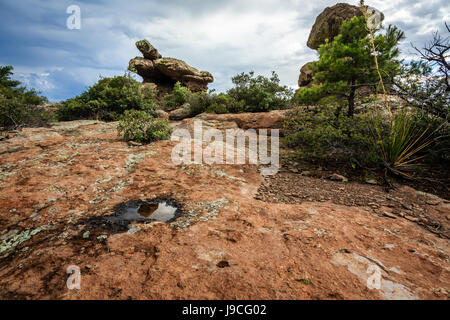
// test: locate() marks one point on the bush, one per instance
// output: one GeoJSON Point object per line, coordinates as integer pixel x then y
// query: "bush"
{"type": "Point", "coordinates": [321, 134]}
{"type": "Point", "coordinates": [178, 97]}
{"type": "Point", "coordinates": [17, 103]}
{"type": "Point", "coordinates": [142, 127]}
{"type": "Point", "coordinates": [199, 102]}
{"type": "Point", "coordinates": [259, 94]}
{"type": "Point", "coordinates": [108, 99]}
{"type": "Point", "coordinates": [439, 151]}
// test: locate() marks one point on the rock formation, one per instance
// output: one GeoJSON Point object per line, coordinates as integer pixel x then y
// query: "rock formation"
{"type": "Point", "coordinates": [327, 26]}
{"type": "Point", "coordinates": [328, 23]}
{"type": "Point", "coordinates": [162, 73]}
{"type": "Point", "coordinates": [306, 75]}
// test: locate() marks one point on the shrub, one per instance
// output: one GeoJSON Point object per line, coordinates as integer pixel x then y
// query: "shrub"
{"type": "Point", "coordinates": [178, 97]}
{"type": "Point", "coordinates": [108, 99]}
{"type": "Point", "coordinates": [407, 141]}
{"type": "Point", "coordinates": [142, 127]}
{"type": "Point", "coordinates": [321, 134]}
{"type": "Point", "coordinates": [199, 102]}
{"type": "Point", "coordinates": [17, 103]}
{"type": "Point", "coordinates": [259, 94]}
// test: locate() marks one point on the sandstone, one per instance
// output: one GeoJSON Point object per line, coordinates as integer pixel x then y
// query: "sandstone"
{"type": "Point", "coordinates": [225, 239]}
{"type": "Point", "coordinates": [306, 75]}
{"type": "Point", "coordinates": [328, 23]}
{"type": "Point", "coordinates": [181, 113]}
{"type": "Point", "coordinates": [164, 72]}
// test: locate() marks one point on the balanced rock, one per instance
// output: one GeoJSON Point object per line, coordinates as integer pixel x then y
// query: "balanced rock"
{"type": "Point", "coordinates": [328, 23]}
{"type": "Point", "coordinates": [165, 72]}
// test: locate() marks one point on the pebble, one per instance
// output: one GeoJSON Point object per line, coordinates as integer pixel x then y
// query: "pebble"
{"type": "Point", "coordinates": [434, 202]}
{"type": "Point", "coordinates": [389, 215]}
{"type": "Point", "coordinates": [338, 177]}
{"type": "Point", "coordinates": [413, 219]}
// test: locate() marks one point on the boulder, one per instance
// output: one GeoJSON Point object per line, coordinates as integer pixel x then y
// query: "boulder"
{"type": "Point", "coordinates": [306, 75]}
{"type": "Point", "coordinates": [328, 23]}
{"type": "Point", "coordinates": [161, 114]}
{"type": "Point", "coordinates": [259, 120]}
{"type": "Point", "coordinates": [181, 113]}
{"type": "Point", "coordinates": [164, 72]}
{"type": "Point", "coordinates": [148, 51]}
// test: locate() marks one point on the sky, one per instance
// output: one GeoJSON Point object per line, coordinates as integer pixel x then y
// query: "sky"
{"type": "Point", "coordinates": [224, 37]}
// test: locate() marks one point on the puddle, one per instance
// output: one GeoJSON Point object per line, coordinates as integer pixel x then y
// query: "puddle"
{"type": "Point", "coordinates": [158, 210]}
{"type": "Point", "coordinates": [130, 213]}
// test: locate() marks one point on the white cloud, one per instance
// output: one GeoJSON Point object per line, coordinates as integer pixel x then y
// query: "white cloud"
{"type": "Point", "coordinates": [223, 37]}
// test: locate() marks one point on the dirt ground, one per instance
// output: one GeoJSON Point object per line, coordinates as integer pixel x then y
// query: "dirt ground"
{"type": "Point", "coordinates": [239, 235]}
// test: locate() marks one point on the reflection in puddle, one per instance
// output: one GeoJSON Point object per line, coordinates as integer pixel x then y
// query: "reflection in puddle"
{"type": "Point", "coordinates": [161, 211]}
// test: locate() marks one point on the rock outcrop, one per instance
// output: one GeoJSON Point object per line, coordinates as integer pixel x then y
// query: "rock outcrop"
{"type": "Point", "coordinates": [328, 23]}
{"type": "Point", "coordinates": [327, 26]}
{"type": "Point", "coordinates": [242, 233]}
{"type": "Point", "coordinates": [162, 73]}
{"type": "Point", "coordinates": [306, 75]}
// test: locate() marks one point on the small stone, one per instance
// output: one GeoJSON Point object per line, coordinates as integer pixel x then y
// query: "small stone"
{"type": "Point", "coordinates": [135, 144]}
{"type": "Point", "coordinates": [372, 181]}
{"type": "Point", "coordinates": [407, 207]}
{"type": "Point", "coordinates": [337, 177]}
{"type": "Point", "coordinates": [389, 215]}
{"type": "Point", "coordinates": [434, 202]}
{"type": "Point", "coordinates": [413, 219]}
{"type": "Point", "coordinates": [86, 235]}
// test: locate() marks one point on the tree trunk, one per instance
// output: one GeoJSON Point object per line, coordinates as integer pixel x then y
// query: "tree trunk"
{"type": "Point", "coordinates": [351, 103]}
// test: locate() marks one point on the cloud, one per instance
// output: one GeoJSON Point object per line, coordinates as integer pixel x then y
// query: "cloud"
{"type": "Point", "coordinates": [223, 37]}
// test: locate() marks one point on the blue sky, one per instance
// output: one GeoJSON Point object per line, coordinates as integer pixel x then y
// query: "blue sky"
{"type": "Point", "coordinates": [223, 37]}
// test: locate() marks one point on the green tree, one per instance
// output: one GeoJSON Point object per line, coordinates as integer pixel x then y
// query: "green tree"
{"type": "Point", "coordinates": [17, 102]}
{"type": "Point", "coordinates": [347, 63]}
{"type": "Point", "coordinates": [259, 94]}
{"type": "Point", "coordinates": [108, 99]}
{"type": "Point", "coordinates": [5, 78]}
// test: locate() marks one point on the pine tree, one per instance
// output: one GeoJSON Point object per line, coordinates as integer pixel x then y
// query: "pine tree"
{"type": "Point", "coordinates": [347, 63]}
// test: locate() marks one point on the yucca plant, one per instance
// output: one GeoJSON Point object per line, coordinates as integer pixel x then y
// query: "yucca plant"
{"type": "Point", "coordinates": [404, 145]}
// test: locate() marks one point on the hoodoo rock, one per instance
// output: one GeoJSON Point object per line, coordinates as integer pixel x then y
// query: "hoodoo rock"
{"type": "Point", "coordinates": [165, 72]}
{"type": "Point", "coordinates": [328, 23]}
{"type": "Point", "coordinates": [327, 26]}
